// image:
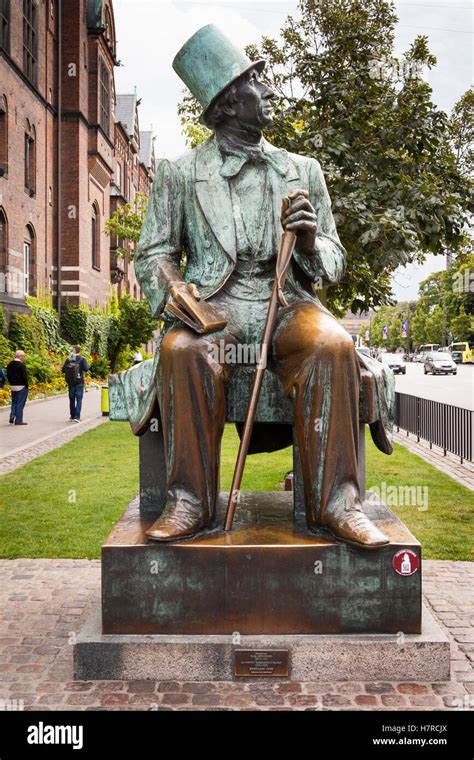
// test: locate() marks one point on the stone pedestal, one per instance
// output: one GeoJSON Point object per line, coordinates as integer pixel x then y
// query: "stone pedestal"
{"type": "Point", "coordinates": [269, 576]}
{"type": "Point", "coordinates": [369, 657]}
{"type": "Point", "coordinates": [269, 599]}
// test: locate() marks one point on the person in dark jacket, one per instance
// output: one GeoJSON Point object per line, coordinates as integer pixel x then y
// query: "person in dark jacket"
{"type": "Point", "coordinates": [74, 369]}
{"type": "Point", "coordinates": [18, 379]}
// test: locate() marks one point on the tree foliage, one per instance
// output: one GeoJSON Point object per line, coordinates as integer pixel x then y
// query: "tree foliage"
{"type": "Point", "coordinates": [444, 311]}
{"type": "Point", "coordinates": [125, 225]}
{"type": "Point", "coordinates": [393, 161]}
{"type": "Point", "coordinates": [132, 326]}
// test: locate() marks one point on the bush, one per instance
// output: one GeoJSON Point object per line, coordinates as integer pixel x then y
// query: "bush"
{"type": "Point", "coordinates": [100, 327]}
{"type": "Point", "coordinates": [40, 368]}
{"type": "Point", "coordinates": [6, 353]}
{"type": "Point", "coordinates": [76, 326]}
{"type": "Point", "coordinates": [99, 367]}
{"type": "Point", "coordinates": [88, 328]}
{"type": "Point", "coordinates": [26, 332]}
{"type": "Point", "coordinates": [3, 322]}
{"type": "Point", "coordinates": [48, 317]}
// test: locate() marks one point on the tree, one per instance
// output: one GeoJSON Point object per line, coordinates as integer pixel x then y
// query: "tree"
{"type": "Point", "coordinates": [385, 148]}
{"type": "Point", "coordinates": [461, 128]}
{"type": "Point", "coordinates": [126, 223]}
{"type": "Point", "coordinates": [462, 327]}
{"type": "Point", "coordinates": [132, 326]}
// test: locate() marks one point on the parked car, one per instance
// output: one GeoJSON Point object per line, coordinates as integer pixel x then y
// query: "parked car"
{"type": "Point", "coordinates": [396, 362]}
{"type": "Point", "coordinates": [439, 364]}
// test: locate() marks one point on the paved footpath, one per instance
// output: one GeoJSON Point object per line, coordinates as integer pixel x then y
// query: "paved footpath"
{"type": "Point", "coordinates": [48, 428]}
{"type": "Point", "coordinates": [449, 464]}
{"type": "Point", "coordinates": [44, 603]}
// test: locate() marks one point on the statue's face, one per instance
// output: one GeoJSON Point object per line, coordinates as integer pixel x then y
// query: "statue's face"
{"type": "Point", "coordinates": [254, 100]}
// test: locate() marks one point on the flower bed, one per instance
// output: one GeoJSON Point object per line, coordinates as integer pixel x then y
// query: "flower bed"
{"type": "Point", "coordinates": [46, 390]}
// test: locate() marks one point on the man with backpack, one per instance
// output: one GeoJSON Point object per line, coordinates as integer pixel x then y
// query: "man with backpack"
{"type": "Point", "coordinates": [74, 369]}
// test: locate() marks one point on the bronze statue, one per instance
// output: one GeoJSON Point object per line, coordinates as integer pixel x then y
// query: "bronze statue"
{"type": "Point", "coordinates": [220, 205]}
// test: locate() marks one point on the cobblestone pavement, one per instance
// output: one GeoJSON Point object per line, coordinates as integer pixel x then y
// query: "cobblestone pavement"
{"type": "Point", "coordinates": [449, 464]}
{"type": "Point", "coordinates": [44, 602]}
{"type": "Point", "coordinates": [42, 446]}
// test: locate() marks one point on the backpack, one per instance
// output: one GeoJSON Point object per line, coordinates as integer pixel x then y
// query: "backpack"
{"type": "Point", "coordinates": [72, 373]}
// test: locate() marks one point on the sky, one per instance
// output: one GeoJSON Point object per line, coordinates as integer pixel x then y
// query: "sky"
{"type": "Point", "coordinates": [150, 33]}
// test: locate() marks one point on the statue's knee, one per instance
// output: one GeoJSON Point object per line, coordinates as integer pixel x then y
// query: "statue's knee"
{"type": "Point", "coordinates": [175, 343]}
{"type": "Point", "coordinates": [343, 342]}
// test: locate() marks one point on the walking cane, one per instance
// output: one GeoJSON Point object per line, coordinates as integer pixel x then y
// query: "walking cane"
{"type": "Point", "coordinates": [277, 299]}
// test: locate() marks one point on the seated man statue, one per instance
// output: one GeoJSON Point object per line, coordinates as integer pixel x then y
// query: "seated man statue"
{"type": "Point", "coordinates": [220, 205]}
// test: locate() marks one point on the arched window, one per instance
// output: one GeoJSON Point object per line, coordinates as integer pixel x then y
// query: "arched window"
{"type": "Point", "coordinates": [3, 252]}
{"type": "Point", "coordinates": [5, 25]}
{"type": "Point", "coordinates": [29, 261]}
{"type": "Point", "coordinates": [95, 236]}
{"type": "Point", "coordinates": [3, 137]}
{"type": "Point", "coordinates": [135, 292]}
{"type": "Point", "coordinates": [30, 159]}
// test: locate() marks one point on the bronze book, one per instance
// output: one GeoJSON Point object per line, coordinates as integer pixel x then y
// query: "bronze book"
{"type": "Point", "coordinates": [198, 315]}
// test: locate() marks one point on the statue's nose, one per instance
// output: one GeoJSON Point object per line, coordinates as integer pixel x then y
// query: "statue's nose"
{"type": "Point", "coordinates": [268, 94]}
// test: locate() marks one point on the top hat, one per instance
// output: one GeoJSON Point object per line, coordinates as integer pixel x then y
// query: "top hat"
{"type": "Point", "coordinates": [208, 63]}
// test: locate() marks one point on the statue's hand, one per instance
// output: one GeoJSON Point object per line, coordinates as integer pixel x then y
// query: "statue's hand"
{"type": "Point", "coordinates": [190, 288]}
{"type": "Point", "coordinates": [300, 217]}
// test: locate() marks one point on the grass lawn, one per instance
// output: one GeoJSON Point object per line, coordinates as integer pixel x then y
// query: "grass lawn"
{"type": "Point", "coordinates": [64, 503]}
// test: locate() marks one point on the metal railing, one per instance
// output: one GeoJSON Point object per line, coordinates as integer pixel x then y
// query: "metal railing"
{"type": "Point", "coordinates": [443, 425]}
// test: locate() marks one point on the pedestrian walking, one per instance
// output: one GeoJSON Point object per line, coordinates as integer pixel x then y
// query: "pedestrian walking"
{"type": "Point", "coordinates": [74, 369]}
{"type": "Point", "coordinates": [18, 378]}
{"type": "Point", "coordinates": [137, 357]}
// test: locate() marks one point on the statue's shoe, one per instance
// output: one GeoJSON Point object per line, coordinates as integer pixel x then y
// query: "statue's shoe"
{"type": "Point", "coordinates": [354, 527]}
{"type": "Point", "coordinates": [178, 521]}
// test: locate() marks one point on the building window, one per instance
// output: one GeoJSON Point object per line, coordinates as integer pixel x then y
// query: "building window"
{"type": "Point", "coordinates": [3, 252]}
{"type": "Point", "coordinates": [104, 97]}
{"type": "Point", "coordinates": [30, 40]}
{"type": "Point", "coordinates": [3, 137]}
{"type": "Point", "coordinates": [118, 175]}
{"type": "Point", "coordinates": [135, 292]}
{"type": "Point", "coordinates": [30, 161]}
{"type": "Point", "coordinates": [29, 262]}
{"type": "Point", "coordinates": [95, 236]}
{"type": "Point", "coordinates": [5, 25]}
{"type": "Point", "coordinates": [51, 8]}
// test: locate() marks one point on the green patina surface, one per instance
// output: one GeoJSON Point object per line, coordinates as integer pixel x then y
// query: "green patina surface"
{"type": "Point", "coordinates": [208, 62]}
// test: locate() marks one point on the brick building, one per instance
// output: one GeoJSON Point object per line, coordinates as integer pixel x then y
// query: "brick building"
{"type": "Point", "coordinates": [58, 174]}
{"type": "Point", "coordinates": [134, 170]}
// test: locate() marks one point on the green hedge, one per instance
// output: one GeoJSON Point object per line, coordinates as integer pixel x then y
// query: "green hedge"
{"type": "Point", "coordinates": [3, 322]}
{"type": "Point", "coordinates": [49, 320]}
{"type": "Point", "coordinates": [89, 329]}
{"type": "Point", "coordinates": [26, 332]}
{"type": "Point", "coordinates": [6, 352]}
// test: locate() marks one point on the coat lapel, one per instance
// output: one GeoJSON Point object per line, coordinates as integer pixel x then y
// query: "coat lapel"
{"type": "Point", "coordinates": [213, 194]}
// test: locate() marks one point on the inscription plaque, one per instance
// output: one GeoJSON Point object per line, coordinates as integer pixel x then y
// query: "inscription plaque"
{"type": "Point", "coordinates": [261, 662]}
